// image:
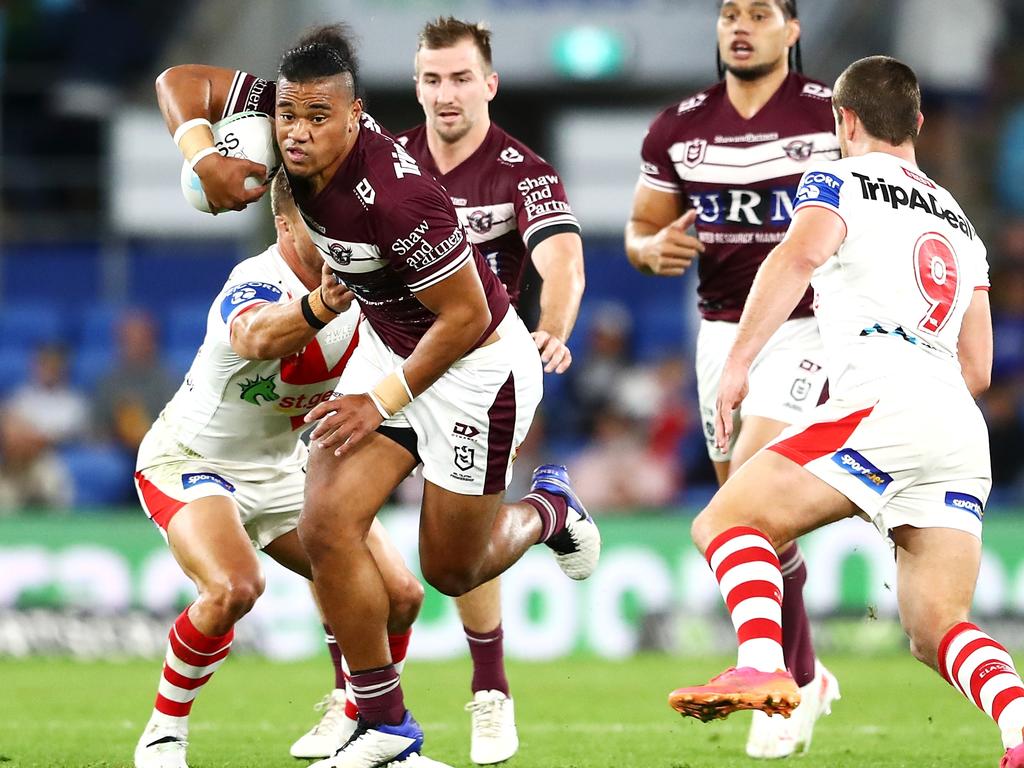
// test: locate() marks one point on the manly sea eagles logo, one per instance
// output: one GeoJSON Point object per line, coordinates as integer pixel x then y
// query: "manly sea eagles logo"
{"type": "Point", "coordinates": [342, 254]}
{"type": "Point", "coordinates": [798, 150]}
{"type": "Point", "coordinates": [695, 151]}
{"type": "Point", "coordinates": [481, 221]}
{"type": "Point", "coordinates": [464, 457]}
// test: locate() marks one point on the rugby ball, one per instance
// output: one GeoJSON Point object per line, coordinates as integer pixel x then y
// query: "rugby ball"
{"type": "Point", "coordinates": [248, 135]}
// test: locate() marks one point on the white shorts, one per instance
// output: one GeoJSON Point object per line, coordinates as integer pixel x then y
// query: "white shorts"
{"type": "Point", "coordinates": [917, 457]}
{"type": "Point", "coordinates": [470, 422]}
{"type": "Point", "coordinates": [268, 497]}
{"type": "Point", "coordinates": [786, 379]}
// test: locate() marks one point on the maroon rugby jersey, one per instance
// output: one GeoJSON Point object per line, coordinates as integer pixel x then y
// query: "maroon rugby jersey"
{"type": "Point", "coordinates": [508, 198]}
{"type": "Point", "coordinates": [386, 226]}
{"type": "Point", "coordinates": [741, 176]}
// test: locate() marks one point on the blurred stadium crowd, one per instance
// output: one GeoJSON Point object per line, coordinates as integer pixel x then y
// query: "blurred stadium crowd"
{"type": "Point", "coordinates": [97, 330]}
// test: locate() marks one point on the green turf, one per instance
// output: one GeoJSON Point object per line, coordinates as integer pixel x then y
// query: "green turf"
{"type": "Point", "coordinates": [575, 713]}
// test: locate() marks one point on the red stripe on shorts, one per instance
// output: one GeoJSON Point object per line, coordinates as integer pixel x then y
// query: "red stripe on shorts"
{"type": "Point", "coordinates": [159, 506]}
{"type": "Point", "coordinates": [820, 439]}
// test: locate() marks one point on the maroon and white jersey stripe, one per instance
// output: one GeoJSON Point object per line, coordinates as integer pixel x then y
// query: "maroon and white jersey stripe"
{"type": "Point", "coordinates": [507, 197]}
{"type": "Point", "coordinates": [741, 175]}
{"type": "Point", "coordinates": [386, 227]}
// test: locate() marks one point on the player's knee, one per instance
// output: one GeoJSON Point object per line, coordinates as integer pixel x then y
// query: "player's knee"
{"type": "Point", "coordinates": [924, 645]}
{"type": "Point", "coordinates": [704, 529]}
{"type": "Point", "coordinates": [406, 598]}
{"type": "Point", "coordinates": [234, 596]}
{"type": "Point", "coordinates": [320, 535]}
{"type": "Point", "coordinates": [448, 580]}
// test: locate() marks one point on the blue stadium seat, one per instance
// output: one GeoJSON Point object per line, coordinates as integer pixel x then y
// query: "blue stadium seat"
{"type": "Point", "coordinates": [15, 367]}
{"type": "Point", "coordinates": [186, 325]}
{"type": "Point", "coordinates": [30, 323]}
{"type": "Point", "coordinates": [179, 359]}
{"type": "Point", "coordinates": [98, 325]}
{"type": "Point", "coordinates": [102, 475]}
{"type": "Point", "coordinates": [89, 365]}
{"type": "Point", "coordinates": [660, 332]}
{"type": "Point", "coordinates": [162, 274]}
{"type": "Point", "coordinates": [77, 264]}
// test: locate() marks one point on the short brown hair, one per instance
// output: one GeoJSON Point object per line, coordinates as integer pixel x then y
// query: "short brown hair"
{"type": "Point", "coordinates": [446, 31]}
{"type": "Point", "coordinates": [884, 93]}
{"type": "Point", "coordinates": [282, 202]}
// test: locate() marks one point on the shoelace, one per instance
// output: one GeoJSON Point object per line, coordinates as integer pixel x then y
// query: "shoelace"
{"type": "Point", "coordinates": [334, 713]}
{"type": "Point", "coordinates": [486, 716]}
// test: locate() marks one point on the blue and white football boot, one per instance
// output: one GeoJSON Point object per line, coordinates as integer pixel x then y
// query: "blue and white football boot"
{"type": "Point", "coordinates": [577, 546]}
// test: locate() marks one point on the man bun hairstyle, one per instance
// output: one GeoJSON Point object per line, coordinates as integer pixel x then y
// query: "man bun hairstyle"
{"type": "Point", "coordinates": [323, 51]}
{"type": "Point", "coordinates": [884, 93]}
{"type": "Point", "coordinates": [447, 31]}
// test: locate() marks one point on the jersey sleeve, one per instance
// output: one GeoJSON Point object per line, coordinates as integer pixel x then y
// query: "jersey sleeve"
{"type": "Point", "coordinates": [250, 93]}
{"type": "Point", "coordinates": [425, 241]}
{"type": "Point", "coordinates": [541, 205]}
{"type": "Point", "coordinates": [823, 187]}
{"type": "Point", "coordinates": [240, 295]}
{"type": "Point", "coordinates": [656, 169]}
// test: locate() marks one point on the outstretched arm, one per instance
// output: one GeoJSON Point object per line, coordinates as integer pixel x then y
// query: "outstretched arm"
{"type": "Point", "coordinates": [814, 236]}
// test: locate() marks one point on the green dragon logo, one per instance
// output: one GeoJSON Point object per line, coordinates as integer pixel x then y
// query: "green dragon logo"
{"type": "Point", "coordinates": [253, 390]}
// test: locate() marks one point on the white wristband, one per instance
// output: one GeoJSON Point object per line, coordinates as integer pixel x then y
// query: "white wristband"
{"type": "Point", "coordinates": [187, 126]}
{"type": "Point", "coordinates": [204, 152]}
{"type": "Point", "coordinates": [405, 384]}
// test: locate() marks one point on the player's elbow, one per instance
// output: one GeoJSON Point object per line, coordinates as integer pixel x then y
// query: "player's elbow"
{"type": "Point", "coordinates": [254, 346]}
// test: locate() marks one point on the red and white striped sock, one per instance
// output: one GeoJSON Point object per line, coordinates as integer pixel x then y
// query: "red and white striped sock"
{"type": "Point", "coordinates": [747, 568]}
{"type": "Point", "coordinates": [399, 645]}
{"type": "Point", "coordinates": [982, 670]}
{"type": "Point", "coordinates": [191, 660]}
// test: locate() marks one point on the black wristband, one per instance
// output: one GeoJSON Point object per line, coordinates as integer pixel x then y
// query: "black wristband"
{"type": "Point", "coordinates": [308, 314]}
{"type": "Point", "coordinates": [328, 306]}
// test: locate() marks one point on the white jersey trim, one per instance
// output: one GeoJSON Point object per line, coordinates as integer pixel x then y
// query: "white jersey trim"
{"type": "Point", "coordinates": [748, 165]}
{"type": "Point", "coordinates": [658, 185]}
{"type": "Point", "coordinates": [442, 274]}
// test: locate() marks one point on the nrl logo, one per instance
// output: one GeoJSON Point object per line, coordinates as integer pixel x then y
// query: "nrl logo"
{"type": "Point", "coordinates": [259, 387]}
{"type": "Point", "coordinates": [481, 221]}
{"type": "Point", "coordinates": [800, 151]}
{"type": "Point", "coordinates": [464, 457]}
{"type": "Point", "coordinates": [695, 151]}
{"type": "Point", "coordinates": [342, 254]}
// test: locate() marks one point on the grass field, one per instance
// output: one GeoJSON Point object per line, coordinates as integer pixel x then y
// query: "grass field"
{"type": "Point", "coordinates": [576, 713]}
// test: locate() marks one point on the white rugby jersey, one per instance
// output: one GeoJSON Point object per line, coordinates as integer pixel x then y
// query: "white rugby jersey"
{"type": "Point", "coordinates": [241, 410]}
{"type": "Point", "coordinates": [891, 301]}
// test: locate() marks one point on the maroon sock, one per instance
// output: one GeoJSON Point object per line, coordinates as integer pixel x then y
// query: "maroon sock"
{"type": "Point", "coordinates": [335, 651]}
{"type": "Point", "coordinates": [488, 652]}
{"type": "Point", "coordinates": [552, 510]}
{"type": "Point", "coordinates": [797, 645]}
{"type": "Point", "coordinates": [378, 694]}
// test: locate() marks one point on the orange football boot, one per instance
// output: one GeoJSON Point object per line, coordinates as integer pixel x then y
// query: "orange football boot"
{"type": "Point", "coordinates": [775, 693]}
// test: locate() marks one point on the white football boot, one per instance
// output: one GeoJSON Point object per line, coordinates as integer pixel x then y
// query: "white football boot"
{"type": "Point", "coordinates": [577, 546]}
{"type": "Point", "coordinates": [334, 729]}
{"type": "Point", "coordinates": [161, 747]}
{"type": "Point", "coordinates": [774, 736]}
{"type": "Point", "coordinates": [377, 746]}
{"type": "Point", "coordinates": [416, 760]}
{"type": "Point", "coordinates": [494, 738]}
